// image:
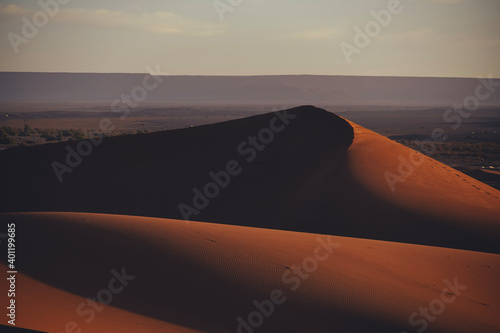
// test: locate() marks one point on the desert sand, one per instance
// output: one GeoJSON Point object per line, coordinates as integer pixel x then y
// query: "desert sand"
{"type": "Point", "coordinates": [309, 237]}
{"type": "Point", "coordinates": [202, 276]}
{"type": "Point", "coordinates": [317, 175]}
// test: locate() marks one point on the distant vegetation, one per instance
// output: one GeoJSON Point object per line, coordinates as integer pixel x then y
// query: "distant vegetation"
{"type": "Point", "coordinates": [10, 137]}
{"type": "Point", "coordinates": [459, 153]}
{"type": "Point", "coordinates": [7, 136]}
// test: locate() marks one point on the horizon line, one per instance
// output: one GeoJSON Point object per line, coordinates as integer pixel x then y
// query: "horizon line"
{"type": "Point", "coordinates": [252, 75]}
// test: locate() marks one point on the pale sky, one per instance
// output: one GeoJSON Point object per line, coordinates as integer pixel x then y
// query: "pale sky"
{"type": "Point", "coordinates": [451, 38]}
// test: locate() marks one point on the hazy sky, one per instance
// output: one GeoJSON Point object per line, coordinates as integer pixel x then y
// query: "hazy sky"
{"type": "Point", "coordinates": [457, 38]}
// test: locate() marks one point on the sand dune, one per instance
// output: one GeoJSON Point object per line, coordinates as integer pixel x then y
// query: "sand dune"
{"type": "Point", "coordinates": [203, 276]}
{"type": "Point", "coordinates": [263, 259]}
{"type": "Point", "coordinates": [315, 175]}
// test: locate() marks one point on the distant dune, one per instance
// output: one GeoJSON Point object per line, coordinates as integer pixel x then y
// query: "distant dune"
{"type": "Point", "coordinates": [240, 90]}
{"type": "Point", "coordinates": [189, 277]}
{"type": "Point", "coordinates": [309, 178]}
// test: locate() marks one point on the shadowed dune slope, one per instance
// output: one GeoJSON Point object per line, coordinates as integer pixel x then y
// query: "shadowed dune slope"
{"type": "Point", "coordinates": [151, 175]}
{"type": "Point", "coordinates": [315, 174]}
{"type": "Point", "coordinates": [48, 308]}
{"type": "Point", "coordinates": [194, 276]}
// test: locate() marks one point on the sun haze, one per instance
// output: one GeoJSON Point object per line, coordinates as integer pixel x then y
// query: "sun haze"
{"type": "Point", "coordinates": [443, 38]}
